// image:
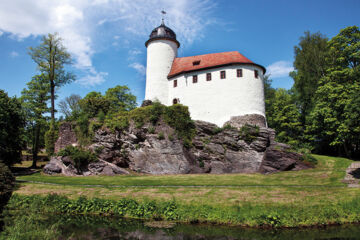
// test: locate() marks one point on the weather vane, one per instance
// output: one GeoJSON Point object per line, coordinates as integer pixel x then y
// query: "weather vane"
{"type": "Point", "coordinates": [163, 16]}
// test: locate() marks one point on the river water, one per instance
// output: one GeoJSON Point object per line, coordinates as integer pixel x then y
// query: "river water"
{"type": "Point", "coordinates": [97, 227]}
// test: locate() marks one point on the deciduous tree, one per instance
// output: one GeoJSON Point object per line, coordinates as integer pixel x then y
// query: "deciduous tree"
{"type": "Point", "coordinates": [70, 106]}
{"type": "Point", "coordinates": [12, 123]}
{"type": "Point", "coordinates": [51, 57]}
{"type": "Point", "coordinates": [310, 67]}
{"type": "Point", "coordinates": [335, 119]}
{"type": "Point", "coordinates": [34, 101]}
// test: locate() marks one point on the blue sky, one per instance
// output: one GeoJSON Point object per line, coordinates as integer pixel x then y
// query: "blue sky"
{"type": "Point", "coordinates": [106, 37]}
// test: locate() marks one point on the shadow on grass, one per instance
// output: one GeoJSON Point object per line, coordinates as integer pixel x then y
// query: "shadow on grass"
{"type": "Point", "coordinates": [23, 171]}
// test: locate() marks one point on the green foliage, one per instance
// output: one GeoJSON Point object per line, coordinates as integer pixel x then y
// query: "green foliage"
{"type": "Point", "coordinates": [335, 118]}
{"type": "Point", "coordinates": [11, 129]}
{"type": "Point", "coordinates": [94, 103]}
{"type": "Point", "coordinates": [50, 138]}
{"type": "Point", "coordinates": [54, 203]}
{"type": "Point", "coordinates": [30, 225]}
{"type": "Point", "coordinates": [218, 130]}
{"type": "Point", "coordinates": [156, 111]}
{"type": "Point", "coordinates": [161, 136]}
{"type": "Point", "coordinates": [120, 99]}
{"type": "Point", "coordinates": [80, 157]}
{"type": "Point", "coordinates": [247, 214]}
{"type": "Point", "coordinates": [7, 184]}
{"type": "Point", "coordinates": [118, 122]}
{"type": "Point", "coordinates": [98, 150]}
{"type": "Point", "coordinates": [83, 124]}
{"type": "Point", "coordinates": [101, 116]}
{"type": "Point", "coordinates": [34, 102]}
{"type": "Point", "coordinates": [310, 66]}
{"type": "Point", "coordinates": [171, 137]}
{"type": "Point", "coordinates": [284, 117]}
{"type": "Point", "coordinates": [151, 130]}
{"type": "Point", "coordinates": [178, 117]}
{"type": "Point", "coordinates": [51, 57]}
{"type": "Point", "coordinates": [249, 133]}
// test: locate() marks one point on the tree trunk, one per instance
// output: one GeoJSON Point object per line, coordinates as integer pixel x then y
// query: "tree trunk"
{"type": "Point", "coordinates": [52, 89]}
{"type": "Point", "coordinates": [36, 145]}
{"type": "Point", "coordinates": [347, 153]}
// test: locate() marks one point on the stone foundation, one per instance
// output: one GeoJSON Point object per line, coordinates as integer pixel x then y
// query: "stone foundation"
{"type": "Point", "coordinates": [251, 119]}
{"type": "Point", "coordinates": [67, 136]}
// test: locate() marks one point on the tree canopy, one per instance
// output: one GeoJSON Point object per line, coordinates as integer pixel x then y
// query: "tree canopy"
{"type": "Point", "coordinates": [34, 102]}
{"type": "Point", "coordinates": [12, 123]}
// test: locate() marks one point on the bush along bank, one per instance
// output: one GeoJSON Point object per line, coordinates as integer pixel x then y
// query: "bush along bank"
{"type": "Point", "coordinates": [248, 215]}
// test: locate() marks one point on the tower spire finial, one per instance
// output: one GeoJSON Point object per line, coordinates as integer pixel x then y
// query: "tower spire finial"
{"type": "Point", "coordinates": [163, 16]}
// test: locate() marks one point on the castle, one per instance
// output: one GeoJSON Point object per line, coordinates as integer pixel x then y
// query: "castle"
{"type": "Point", "coordinates": [216, 87]}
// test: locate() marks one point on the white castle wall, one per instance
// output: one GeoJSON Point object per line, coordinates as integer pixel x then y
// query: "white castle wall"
{"type": "Point", "coordinates": [160, 56]}
{"type": "Point", "coordinates": [218, 100]}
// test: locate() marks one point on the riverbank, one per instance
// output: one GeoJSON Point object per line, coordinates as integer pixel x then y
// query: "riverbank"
{"type": "Point", "coordinates": [288, 199]}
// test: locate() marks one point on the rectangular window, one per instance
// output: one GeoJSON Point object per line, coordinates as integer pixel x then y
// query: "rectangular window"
{"type": "Point", "coordinates": [239, 73]}
{"type": "Point", "coordinates": [175, 83]}
{"type": "Point", "coordinates": [194, 78]}
{"type": "Point", "coordinates": [208, 77]}
{"type": "Point", "coordinates": [256, 73]}
{"type": "Point", "coordinates": [196, 63]}
{"type": "Point", "coordinates": [222, 75]}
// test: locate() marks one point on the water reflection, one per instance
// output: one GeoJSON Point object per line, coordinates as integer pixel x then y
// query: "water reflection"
{"type": "Point", "coordinates": [95, 227]}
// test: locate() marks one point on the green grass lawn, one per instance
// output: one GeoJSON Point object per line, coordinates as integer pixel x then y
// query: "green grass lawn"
{"type": "Point", "coordinates": [328, 172]}
{"type": "Point", "coordinates": [313, 186]}
{"type": "Point", "coordinates": [299, 198]}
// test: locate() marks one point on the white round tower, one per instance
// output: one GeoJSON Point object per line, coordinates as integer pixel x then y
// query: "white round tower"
{"type": "Point", "coordinates": [161, 51]}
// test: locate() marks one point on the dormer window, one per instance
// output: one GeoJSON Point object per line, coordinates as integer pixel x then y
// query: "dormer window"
{"type": "Point", "coordinates": [196, 63]}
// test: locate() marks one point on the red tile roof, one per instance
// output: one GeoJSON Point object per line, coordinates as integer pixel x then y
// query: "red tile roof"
{"type": "Point", "coordinates": [186, 64]}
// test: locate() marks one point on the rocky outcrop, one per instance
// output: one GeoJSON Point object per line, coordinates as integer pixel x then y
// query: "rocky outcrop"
{"type": "Point", "coordinates": [278, 157]}
{"type": "Point", "coordinates": [157, 150]}
{"type": "Point", "coordinates": [352, 176]}
{"type": "Point", "coordinates": [67, 136]}
{"type": "Point", "coordinates": [65, 166]}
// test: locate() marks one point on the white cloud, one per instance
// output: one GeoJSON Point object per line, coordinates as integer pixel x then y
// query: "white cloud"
{"type": "Point", "coordinates": [133, 54]}
{"type": "Point", "coordinates": [280, 69]}
{"type": "Point", "coordinates": [1, 33]}
{"type": "Point", "coordinates": [141, 69]}
{"type": "Point", "coordinates": [92, 79]}
{"type": "Point", "coordinates": [14, 54]}
{"type": "Point", "coordinates": [79, 23]}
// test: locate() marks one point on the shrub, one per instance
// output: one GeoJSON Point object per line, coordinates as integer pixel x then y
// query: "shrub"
{"type": "Point", "coordinates": [249, 133]}
{"type": "Point", "coordinates": [151, 130]}
{"type": "Point", "coordinates": [101, 116]}
{"type": "Point", "coordinates": [7, 183]}
{"type": "Point", "coordinates": [171, 137]}
{"type": "Point", "coordinates": [308, 158]}
{"type": "Point", "coordinates": [156, 111]}
{"type": "Point", "coordinates": [80, 157]}
{"type": "Point", "coordinates": [178, 117]}
{"type": "Point", "coordinates": [161, 136]}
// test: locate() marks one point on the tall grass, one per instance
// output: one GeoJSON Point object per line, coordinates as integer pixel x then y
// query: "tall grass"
{"type": "Point", "coordinates": [246, 215]}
